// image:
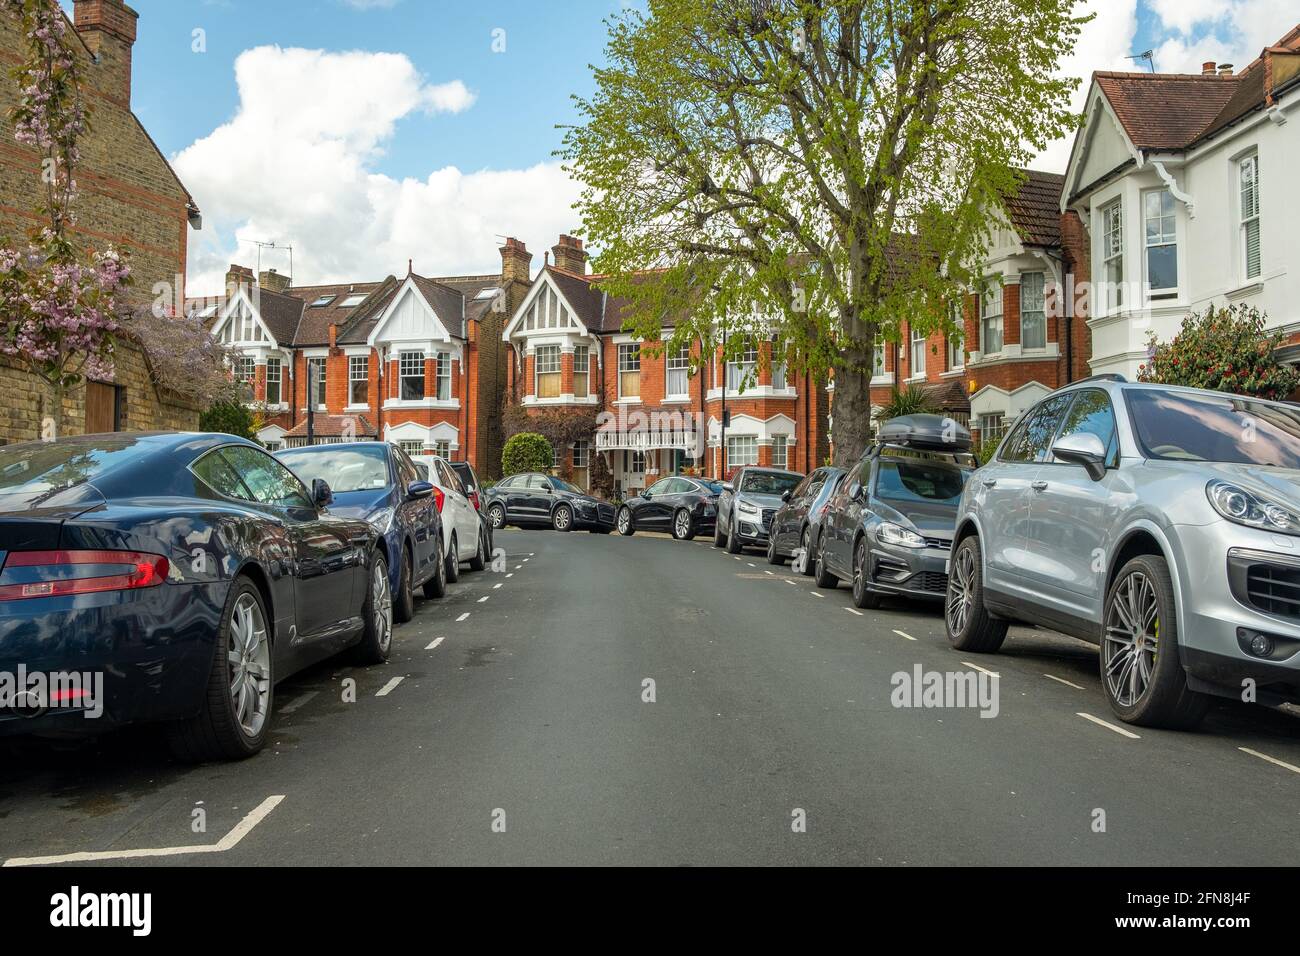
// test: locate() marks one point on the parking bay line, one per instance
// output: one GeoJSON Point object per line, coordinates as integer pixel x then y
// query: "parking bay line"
{"type": "Point", "coordinates": [297, 702]}
{"type": "Point", "coordinates": [1067, 683]}
{"type": "Point", "coordinates": [390, 686]}
{"type": "Point", "coordinates": [483, 598]}
{"type": "Point", "coordinates": [227, 842]}
{"type": "Point", "coordinates": [904, 634]}
{"type": "Point", "coordinates": [982, 670]}
{"type": "Point", "coordinates": [497, 585]}
{"type": "Point", "coordinates": [462, 617]}
{"type": "Point", "coordinates": [1109, 726]}
{"type": "Point", "coordinates": [817, 594]}
{"type": "Point", "coordinates": [1273, 760]}
{"type": "Point", "coordinates": [434, 643]}
{"type": "Point", "coordinates": [853, 610]}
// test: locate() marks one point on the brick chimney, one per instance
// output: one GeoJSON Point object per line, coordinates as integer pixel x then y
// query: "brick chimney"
{"type": "Point", "coordinates": [108, 29]}
{"type": "Point", "coordinates": [515, 260]}
{"type": "Point", "coordinates": [238, 277]}
{"type": "Point", "coordinates": [274, 281]}
{"type": "Point", "coordinates": [1208, 68]}
{"type": "Point", "coordinates": [569, 255]}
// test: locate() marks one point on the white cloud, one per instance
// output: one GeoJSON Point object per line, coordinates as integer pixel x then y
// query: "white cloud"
{"type": "Point", "coordinates": [1226, 31]}
{"type": "Point", "coordinates": [371, 4]}
{"type": "Point", "coordinates": [296, 165]}
{"type": "Point", "coordinates": [1105, 44]}
{"type": "Point", "coordinates": [1185, 15]}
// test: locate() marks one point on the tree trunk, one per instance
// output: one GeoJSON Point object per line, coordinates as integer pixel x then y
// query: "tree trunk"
{"type": "Point", "coordinates": [52, 412]}
{"type": "Point", "coordinates": [851, 409]}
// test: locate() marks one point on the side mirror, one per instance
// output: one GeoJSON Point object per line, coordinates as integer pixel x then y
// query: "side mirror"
{"type": "Point", "coordinates": [646, 494]}
{"type": "Point", "coordinates": [321, 495]}
{"type": "Point", "coordinates": [785, 495]}
{"type": "Point", "coordinates": [728, 487]}
{"type": "Point", "coordinates": [1083, 449]}
{"type": "Point", "coordinates": [419, 489]}
{"type": "Point", "coordinates": [855, 491]}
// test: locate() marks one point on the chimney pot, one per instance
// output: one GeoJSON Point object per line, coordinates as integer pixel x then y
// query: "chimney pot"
{"type": "Point", "coordinates": [515, 261]}
{"type": "Point", "coordinates": [1208, 68]}
{"type": "Point", "coordinates": [1225, 69]}
{"type": "Point", "coordinates": [569, 255]}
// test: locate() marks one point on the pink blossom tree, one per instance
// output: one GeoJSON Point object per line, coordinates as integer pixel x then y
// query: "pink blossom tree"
{"type": "Point", "coordinates": [59, 312]}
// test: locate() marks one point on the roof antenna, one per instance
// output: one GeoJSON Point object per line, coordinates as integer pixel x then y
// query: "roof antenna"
{"type": "Point", "coordinates": [1148, 55]}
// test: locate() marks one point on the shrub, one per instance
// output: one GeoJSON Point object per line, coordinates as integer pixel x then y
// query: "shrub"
{"type": "Point", "coordinates": [1227, 350]}
{"type": "Point", "coordinates": [911, 400]}
{"type": "Point", "coordinates": [526, 451]}
{"type": "Point", "coordinates": [229, 418]}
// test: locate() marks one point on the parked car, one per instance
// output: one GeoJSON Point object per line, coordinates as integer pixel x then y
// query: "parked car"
{"type": "Point", "coordinates": [680, 504]}
{"type": "Point", "coordinates": [460, 519]}
{"type": "Point", "coordinates": [377, 482]}
{"type": "Point", "coordinates": [531, 499]}
{"type": "Point", "coordinates": [748, 503]}
{"type": "Point", "coordinates": [191, 572]}
{"type": "Point", "coordinates": [1160, 523]}
{"type": "Point", "coordinates": [796, 529]}
{"type": "Point", "coordinates": [474, 491]}
{"type": "Point", "coordinates": [888, 529]}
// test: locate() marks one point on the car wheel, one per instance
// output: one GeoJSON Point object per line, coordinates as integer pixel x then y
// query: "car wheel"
{"type": "Point", "coordinates": [733, 540]}
{"type": "Point", "coordinates": [453, 561]}
{"type": "Point", "coordinates": [625, 522]}
{"type": "Point", "coordinates": [773, 556]}
{"type": "Point", "coordinates": [1141, 669]}
{"type": "Point", "coordinates": [235, 712]}
{"type": "Point", "coordinates": [683, 525]}
{"type": "Point", "coordinates": [822, 576]}
{"type": "Point", "coordinates": [479, 561]}
{"type": "Point", "coordinates": [404, 606]}
{"type": "Point", "coordinates": [436, 586]}
{"type": "Point", "coordinates": [863, 596]}
{"type": "Point", "coordinates": [497, 515]}
{"type": "Point", "coordinates": [562, 519]}
{"type": "Point", "coordinates": [805, 564]}
{"type": "Point", "coordinates": [718, 540]}
{"type": "Point", "coordinates": [969, 625]}
{"type": "Point", "coordinates": [377, 612]}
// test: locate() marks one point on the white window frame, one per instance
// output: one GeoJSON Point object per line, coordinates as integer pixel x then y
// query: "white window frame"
{"type": "Point", "coordinates": [1164, 240]}
{"type": "Point", "coordinates": [355, 363]}
{"type": "Point", "coordinates": [442, 376]}
{"type": "Point", "coordinates": [742, 368]}
{"type": "Point", "coordinates": [1249, 208]}
{"type": "Point", "coordinates": [878, 357]}
{"type": "Point", "coordinates": [412, 446]}
{"type": "Point", "coordinates": [749, 443]}
{"type": "Point", "coordinates": [780, 451]}
{"type": "Point", "coordinates": [916, 352]}
{"type": "Point", "coordinates": [546, 361]}
{"type": "Point", "coordinates": [779, 381]}
{"type": "Point", "coordinates": [629, 361]}
{"type": "Point", "coordinates": [277, 379]}
{"type": "Point", "coordinates": [990, 319]}
{"type": "Point", "coordinates": [317, 362]}
{"type": "Point", "coordinates": [442, 448]}
{"type": "Point", "coordinates": [407, 363]}
{"type": "Point", "coordinates": [245, 369]}
{"type": "Point", "coordinates": [582, 453]}
{"type": "Point", "coordinates": [581, 371]}
{"type": "Point", "coordinates": [1033, 309]}
{"type": "Point", "coordinates": [1112, 253]}
{"type": "Point", "coordinates": [677, 373]}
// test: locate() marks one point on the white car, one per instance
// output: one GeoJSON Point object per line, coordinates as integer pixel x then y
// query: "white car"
{"type": "Point", "coordinates": [463, 536]}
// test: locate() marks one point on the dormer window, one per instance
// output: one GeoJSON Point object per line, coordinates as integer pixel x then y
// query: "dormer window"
{"type": "Point", "coordinates": [1161, 243]}
{"type": "Point", "coordinates": [352, 301]}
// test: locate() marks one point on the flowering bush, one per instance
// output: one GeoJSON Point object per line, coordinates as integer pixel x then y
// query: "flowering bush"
{"type": "Point", "coordinates": [1224, 349]}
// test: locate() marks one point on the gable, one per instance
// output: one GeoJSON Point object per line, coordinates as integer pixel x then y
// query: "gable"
{"type": "Point", "coordinates": [409, 318]}
{"type": "Point", "coordinates": [240, 323]}
{"type": "Point", "coordinates": [545, 308]}
{"type": "Point", "coordinates": [1102, 147]}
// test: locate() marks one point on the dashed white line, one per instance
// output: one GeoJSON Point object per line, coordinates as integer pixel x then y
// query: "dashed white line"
{"type": "Point", "coordinates": [483, 598]}
{"type": "Point", "coordinates": [904, 634]}
{"type": "Point", "coordinates": [1067, 683]}
{"type": "Point", "coordinates": [497, 585]}
{"type": "Point", "coordinates": [511, 574]}
{"type": "Point", "coordinates": [462, 617]}
{"type": "Point", "coordinates": [751, 564]}
{"type": "Point", "coordinates": [1109, 726]}
{"type": "Point", "coordinates": [1273, 760]}
{"type": "Point", "coordinates": [434, 643]}
{"type": "Point", "coordinates": [526, 560]}
{"type": "Point", "coordinates": [227, 842]}
{"type": "Point", "coordinates": [388, 688]}
{"type": "Point", "coordinates": [853, 610]}
{"type": "Point", "coordinates": [982, 670]}
{"type": "Point", "coordinates": [817, 594]}
{"type": "Point", "coordinates": [297, 702]}
{"type": "Point", "coordinates": [765, 571]}
{"type": "Point", "coordinates": [791, 581]}
{"type": "Point", "coordinates": [517, 567]}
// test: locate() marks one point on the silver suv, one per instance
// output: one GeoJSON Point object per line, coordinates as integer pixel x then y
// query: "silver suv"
{"type": "Point", "coordinates": [1160, 523]}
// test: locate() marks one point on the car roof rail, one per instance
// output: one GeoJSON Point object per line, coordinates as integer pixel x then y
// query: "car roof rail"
{"type": "Point", "coordinates": [1103, 377]}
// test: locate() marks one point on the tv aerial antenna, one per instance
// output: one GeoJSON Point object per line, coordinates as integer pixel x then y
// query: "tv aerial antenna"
{"type": "Point", "coordinates": [1148, 55]}
{"type": "Point", "coordinates": [265, 244]}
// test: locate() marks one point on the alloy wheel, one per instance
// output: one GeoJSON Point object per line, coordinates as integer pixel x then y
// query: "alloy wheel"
{"type": "Point", "coordinates": [1132, 638]}
{"type": "Point", "coordinates": [961, 591]}
{"type": "Point", "coordinates": [382, 605]}
{"type": "Point", "coordinates": [683, 524]}
{"type": "Point", "coordinates": [249, 657]}
{"type": "Point", "coordinates": [497, 515]}
{"type": "Point", "coordinates": [624, 521]}
{"type": "Point", "coordinates": [562, 518]}
{"type": "Point", "coordinates": [859, 561]}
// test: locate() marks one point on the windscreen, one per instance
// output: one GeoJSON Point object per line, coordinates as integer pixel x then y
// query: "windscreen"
{"type": "Point", "coordinates": [344, 470]}
{"type": "Point", "coordinates": [1185, 426]}
{"type": "Point", "coordinates": [920, 481]}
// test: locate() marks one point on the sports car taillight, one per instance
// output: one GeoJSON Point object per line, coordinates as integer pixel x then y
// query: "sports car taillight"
{"type": "Point", "coordinates": [35, 574]}
{"type": "Point", "coordinates": [438, 498]}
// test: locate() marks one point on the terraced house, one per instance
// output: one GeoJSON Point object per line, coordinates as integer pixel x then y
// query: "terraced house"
{"type": "Point", "coordinates": [415, 360]}
{"type": "Point", "coordinates": [568, 353]}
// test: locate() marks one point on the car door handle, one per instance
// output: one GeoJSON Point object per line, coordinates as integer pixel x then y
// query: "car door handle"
{"type": "Point", "coordinates": [990, 482]}
{"type": "Point", "coordinates": [1039, 486]}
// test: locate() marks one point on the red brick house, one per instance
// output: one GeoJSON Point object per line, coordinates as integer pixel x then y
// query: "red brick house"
{"type": "Point", "coordinates": [415, 360]}
{"type": "Point", "coordinates": [567, 350]}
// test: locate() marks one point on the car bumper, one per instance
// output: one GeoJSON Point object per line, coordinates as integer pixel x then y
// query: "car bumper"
{"type": "Point", "coordinates": [137, 656]}
{"type": "Point", "coordinates": [599, 518]}
{"type": "Point", "coordinates": [1236, 583]}
{"type": "Point", "coordinates": [920, 573]}
{"type": "Point", "coordinates": [752, 529]}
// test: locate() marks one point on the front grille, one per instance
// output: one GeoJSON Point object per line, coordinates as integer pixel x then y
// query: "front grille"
{"type": "Point", "coordinates": [768, 515]}
{"type": "Point", "coordinates": [931, 581]}
{"type": "Point", "coordinates": [1274, 589]}
{"type": "Point", "coordinates": [944, 544]}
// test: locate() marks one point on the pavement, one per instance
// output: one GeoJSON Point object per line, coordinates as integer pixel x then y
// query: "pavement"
{"type": "Point", "coordinates": [641, 700]}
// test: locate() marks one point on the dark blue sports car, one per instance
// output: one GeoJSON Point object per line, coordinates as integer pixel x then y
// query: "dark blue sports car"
{"type": "Point", "coordinates": [177, 578]}
{"type": "Point", "coordinates": [377, 481]}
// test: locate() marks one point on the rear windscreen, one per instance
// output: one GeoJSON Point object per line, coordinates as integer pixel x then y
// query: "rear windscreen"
{"type": "Point", "coordinates": [33, 470]}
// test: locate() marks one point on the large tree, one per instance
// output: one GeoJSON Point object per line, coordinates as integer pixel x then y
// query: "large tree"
{"type": "Point", "coordinates": [812, 170]}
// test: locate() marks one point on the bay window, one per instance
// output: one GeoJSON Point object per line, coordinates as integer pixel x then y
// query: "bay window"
{"type": "Point", "coordinates": [581, 370]}
{"type": "Point", "coordinates": [546, 365]}
{"type": "Point", "coordinates": [991, 320]}
{"type": "Point", "coordinates": [629, 370]}
{"type": "Point", "coordinates": [442, 377]}
{"type": "Point", "coordinates": [274, 377]}
{"type": "Point", "coordinates": [1033, 310]}
{"type": "Point", "coordinates": [678, 368]}
{"type": "Point", "coordinates": [410, 370]}
{"type": "Point", "coordinates": [917, 366]}
{"type": "Point", "coordinates": [1161, 243]}
{"type": "Point", "coordinates": [742, 369]}
{"type": "Point", "coordinates": [742, 450]}
{"type": "Point", "coordinates": [1112, 253]}
{"type": "Point", "coordinates": [358, 379]}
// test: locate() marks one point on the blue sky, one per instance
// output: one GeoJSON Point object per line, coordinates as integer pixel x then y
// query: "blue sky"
{"type": "Point", "coordinates": [367, 132]}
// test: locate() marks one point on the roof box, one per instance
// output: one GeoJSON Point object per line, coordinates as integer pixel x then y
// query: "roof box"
{"type": "Point", "coordinates": [937, 432]}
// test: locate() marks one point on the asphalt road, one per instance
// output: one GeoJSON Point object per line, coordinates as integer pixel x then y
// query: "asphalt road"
{"type": "Point", "coordinates": [519, 733]}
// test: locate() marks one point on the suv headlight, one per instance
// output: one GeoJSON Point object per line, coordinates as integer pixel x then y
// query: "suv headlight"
{"type": "Point", "coordinates": [896, 534]}
{"type": "Point", "coordinates": [1245, 507]}
{"type": "Point", "coordinates": [747, 508]}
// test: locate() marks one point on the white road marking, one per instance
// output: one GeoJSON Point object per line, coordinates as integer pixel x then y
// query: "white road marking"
{"type": "Point", "coordinates": [982, 670]}
{"type": "Point", "coordinates": [817, 594]}
{"type": "Point", "coordinates": [483, 598]}
{"type": "Point", "coordinates": [1109, 726]}
{"type": "Point", "coordinates": [517, 567]}
{"type": "Point", "coordinates": [462, 617]}
{"type": "Point", "coordinates": [1067, 683]}
{"type": "Point", "coordinates": [853, 610]}
{"type": "Point", "coordinates": [526, 560]}
{"type": "Point", "coordinates": [227, 842]}
{"type": "Point", "coordinates": [790, 581]}
{"type": "Point", "coordinates": [388, 688]}
{"type": "Point", "coordinates": [297, 702]}
{"type": "Point", "coordinates": [511, 574]}
{"type": "Point", "coordinates": [434, 643]}
{"type": "Point", "coordinates": [904, 634]}
{"type": "Point", "coordinates": [532, 554]}
{"type": "Point", "coordinates": [1273, 760]}
{"type": "Point", "coordinates": [765, 571]}
{"type": "Point", "coordinates": [497, 585]}
{"type": "Point", "coordinates": [751, 564]}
